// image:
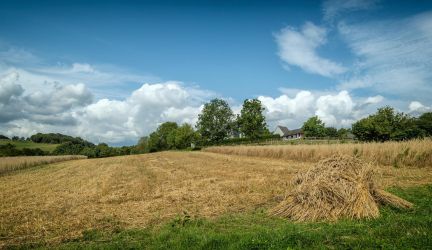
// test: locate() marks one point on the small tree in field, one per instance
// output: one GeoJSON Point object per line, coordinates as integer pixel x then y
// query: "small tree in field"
{"type": "Point", "coordinates": [215, 121]}
{"type": "Point", "coordinates": [251, 120]}
{"type": "Point", "coordinates": [314, 127]}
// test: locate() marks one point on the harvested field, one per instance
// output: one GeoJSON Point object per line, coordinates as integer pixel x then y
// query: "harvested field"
{"type": "Point", "coordinates": [414, 153]}
{"type": "Point", "coordinates": [59, 201]}
{"type": "Point", "coordinates": [8, 164]}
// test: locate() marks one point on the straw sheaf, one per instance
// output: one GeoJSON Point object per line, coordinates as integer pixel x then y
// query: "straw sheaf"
{"type": "Point", "coordinates": [337, 187]}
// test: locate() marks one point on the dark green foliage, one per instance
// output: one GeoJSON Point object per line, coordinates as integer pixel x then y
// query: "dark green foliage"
{"type": "Point", "coordinates": [331, 132]}
{"type": "Point", "coordinates": [243, 140]}
{"type": "Point", "coordinates": [216, 121]}
{"type": "Point", "coordinates": [424, 122]}
{"type": "Point", "coordinates": [11, 150]}
{"type": "Point", "coordinates": [68, 148]}
{"type": "Point", "coordinates": [395, 229]}
{"type": "Point", "coordinates": [251, 120]}
{"type": "Point", "coordinates": [3, 137]}
{"type": "Point", "coordinates": [387, 124]}
{"type": "Point", "coordinates": [58, 139]}
{"type": "Point", "coordinates": [168, 136]}
{"type": "Point", "coordinates": [343, 133]}
{"type": "Point", "coordinates": [158, 140]}
{"type": "Point", "coordinates": [182, 137]}
{"type": "Point", "coordinates": [314, 127]}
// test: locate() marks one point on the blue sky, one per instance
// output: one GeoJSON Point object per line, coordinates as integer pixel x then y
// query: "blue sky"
{"type": "Point", "coordinates": [123, 67]}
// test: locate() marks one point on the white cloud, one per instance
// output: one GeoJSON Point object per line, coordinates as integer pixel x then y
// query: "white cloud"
{"type": "Point", "coordinates": [139, 114]}
{"type": "Point", "coordinates": [332, 109]}
{"type": "Point", "coordinates": [58, 99]}
{"type": "Point", "coordinates": [393, 56]}
{"type": "Point", "coordinates": [284, 107]}
{"type": "Point", "coordinates": [339, 109]}
{"type": "Point", "coordinates": [82, 67]}
{"type": "Point", "coordinates": [374, 99]}
{"type": "Point", "coordinates": [418, 108]}
{"type": "Point", "coordinates": [9, 88]}
{"type": "Point", "coordinates": [70, 109]}
{"type": "Point", "coordinates": [298, 48]}
{"type": "Point", "coordinates": [334, 8]}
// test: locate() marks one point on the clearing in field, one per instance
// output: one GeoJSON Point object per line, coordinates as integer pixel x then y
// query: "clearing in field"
{"type": "Point", "coordinates": [60, 201]}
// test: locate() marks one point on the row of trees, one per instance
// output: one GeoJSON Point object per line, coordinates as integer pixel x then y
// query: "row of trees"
{"type": "Point", "coordinates": [216, 123]}
{"type": "Point", "coordinates": [169, 135]}
{"type": "Point", "coordinates": [315, 127]}
{"type": "Point", "coordinates": [11, 150]}
{"type": "Point", "coordinates": [56, 138]}
{"type": "Point", "coordinates": [388, 124]}
{"type": "Point", "coordinates": [92, 151]}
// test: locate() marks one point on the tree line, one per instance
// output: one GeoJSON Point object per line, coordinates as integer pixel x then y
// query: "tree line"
{"type": "Point", "coordinates": [217, 125]}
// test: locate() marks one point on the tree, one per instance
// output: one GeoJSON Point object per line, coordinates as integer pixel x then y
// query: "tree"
{"type": "Point", "coordinates": [424, 122]}
{"type": "Point", "coordinates": [215, 121]}
{"type": "Point", "coordinates": [3, 137]}
{"type": "Point", "coordinates": [251, 120]}
{"type": "Point", "coordinates": [342, 133]}
{"type": "Point", "coordinates": [184, 136]}
{"type": "Point", "coordinates": [314, 127]}
{"type": "Point", "coordinates": [141, 147]}
{"type": "Point", "coordinates": [158, 140]}
{"type": "Point", "coordinates": [331, 132]}
{"type": "Point", "coordinates": [386, 124]}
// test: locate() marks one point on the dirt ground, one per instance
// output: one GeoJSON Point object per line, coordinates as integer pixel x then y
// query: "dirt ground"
{"type": "Point", "coordinates": [58, 201]}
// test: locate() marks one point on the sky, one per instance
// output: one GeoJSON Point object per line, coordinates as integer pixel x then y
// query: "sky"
{"type": "Point", "coordinates": [112, 71]}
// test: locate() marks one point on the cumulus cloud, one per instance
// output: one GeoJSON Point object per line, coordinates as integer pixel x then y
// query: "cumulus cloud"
{"type": "Point", "coordinates": [286, 108]}
{"type": "Point", "coordinates": [335, 110]}
{"type": "Point", "coordinates": [9, 88]}
{"type": "Point", "coordinates": [140, 113]}
{"type": "Point", "coordinates": [58, 99]}
{"type": "Point", "coordinates": [71, 109]}
{"type": "Point", "coordinates": [48, 105]}
{"type": "Point", "coordinates": [338, 109]}
{"type": "Point", "coordinates": [393, 56]}
{"type": "Point", "coordinates": [298, 48]}
{"type": "Point", "coordinates": [418, 108]}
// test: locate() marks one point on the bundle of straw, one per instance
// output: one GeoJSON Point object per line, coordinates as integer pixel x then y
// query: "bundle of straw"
{"type": "Point", "coordinates": [337, 187]}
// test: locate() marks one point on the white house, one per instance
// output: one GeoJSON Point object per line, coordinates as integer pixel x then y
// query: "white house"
{"type": "Point", "coordinates": [287, 134]}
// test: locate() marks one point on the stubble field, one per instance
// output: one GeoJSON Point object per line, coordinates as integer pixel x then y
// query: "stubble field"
{"type": "Point", "coordinates": [58, 202]}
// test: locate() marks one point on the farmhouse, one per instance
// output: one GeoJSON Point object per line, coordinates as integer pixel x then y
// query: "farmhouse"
{"type": "Point", "coordinates": [287, 134]}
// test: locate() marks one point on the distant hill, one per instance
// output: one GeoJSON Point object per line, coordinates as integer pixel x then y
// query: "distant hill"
{"type": "Point", "coordinates": [3, 137]}
{"type": "Point", "coordinates": [56, 138]}
{"type": "Point", "coordinates": [48, 147]}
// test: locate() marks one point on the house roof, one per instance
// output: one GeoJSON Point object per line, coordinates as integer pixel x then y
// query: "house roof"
{"type": "Point", "coordinates": [288, 132]}
{"type": "Point", "coordinates": [294, 132]}
{"type": "Point", "coordinates": [284, 130]}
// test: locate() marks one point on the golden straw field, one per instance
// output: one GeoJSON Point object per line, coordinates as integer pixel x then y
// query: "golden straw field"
{"type": "Point", "coordinates": [8, 164]}
{"type": "Point", "coordinates": [59, 201]}
{"type": "Point", "coordinates": [415, 153]}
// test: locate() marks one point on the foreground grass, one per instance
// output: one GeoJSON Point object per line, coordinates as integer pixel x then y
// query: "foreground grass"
{"type": "Point", "coordinates": [395, 229]}
{"type": "Point", "coordinates": [29, 144]}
